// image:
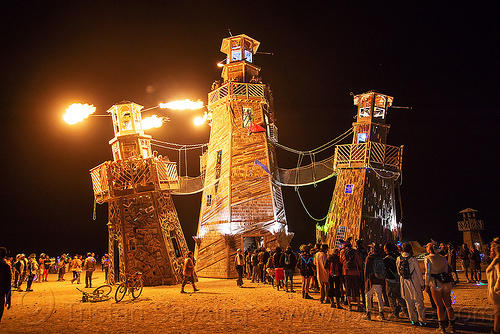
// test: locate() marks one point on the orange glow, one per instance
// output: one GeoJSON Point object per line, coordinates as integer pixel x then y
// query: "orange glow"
{"type": "Point", "coordinates": [182, 105]}
{"type": "Point", "coordinates": [77, 112]}
{"type": "Point", "coordinates": [152, 121]}
{"type": "Point", "coordinates": [198, 121]}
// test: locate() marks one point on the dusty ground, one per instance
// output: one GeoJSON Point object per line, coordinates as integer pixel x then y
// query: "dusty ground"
{"type": "Point", "coordinates": [219, 307]}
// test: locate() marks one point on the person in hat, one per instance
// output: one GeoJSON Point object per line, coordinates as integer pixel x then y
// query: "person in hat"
{"type": "Point", "coordinates": [31, 271]}
{"type": "Point", "coordinates": [5, 280]}
{"type": "Point", "coordinates": [239, 262]}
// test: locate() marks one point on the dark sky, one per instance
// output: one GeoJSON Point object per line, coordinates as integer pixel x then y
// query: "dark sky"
{"type": "Point", "coordinates": [440, 58]}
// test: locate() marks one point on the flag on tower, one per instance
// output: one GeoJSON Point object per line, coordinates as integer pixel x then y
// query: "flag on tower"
{"type": "Point", "coordinates": [254, 127]}
{"type": "Point", "coordinates": [264, 167]}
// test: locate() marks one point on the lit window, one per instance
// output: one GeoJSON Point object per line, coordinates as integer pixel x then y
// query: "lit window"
{"type": "Point", "coordinates": [247, 117]}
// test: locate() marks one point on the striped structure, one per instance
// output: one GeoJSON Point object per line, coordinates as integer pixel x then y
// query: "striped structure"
{"type": "Point", "coordinates": [364, 204]}
{"type": "Point", "coordinates": [242, 206]}
{"type": "Point", "coordinates": [144, 231]}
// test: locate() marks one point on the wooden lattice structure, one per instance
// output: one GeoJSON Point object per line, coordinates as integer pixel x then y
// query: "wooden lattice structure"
{"type": "Point", "coordinates": [242, 206]}
{"type": "Point", "coordinates": [364, 204]}
{"type": "Point", "coordinates": [472, 228]}
{"type": "Point", "coordinates": [144, 231]}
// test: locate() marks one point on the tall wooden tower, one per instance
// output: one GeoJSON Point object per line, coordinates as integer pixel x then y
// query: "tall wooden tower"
{"type": "Point", "coordinates": [241, 205]}
{"type": "Point", "coordinates": [364, 200]}
{"type": "Point", "coordinates": [144, 231]}
{"type": "Point", "coordinates": [471, 228]}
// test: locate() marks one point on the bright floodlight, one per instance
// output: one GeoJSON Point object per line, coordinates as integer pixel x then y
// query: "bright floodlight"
{"type": "Point", "coordinates": [152, 121]}
{"type": "Point", "coordinates": [182, 105]}
{"type": "Point", "coordinates": [77, 112]}
{"type": "Point", "coordinates": [198, 121]}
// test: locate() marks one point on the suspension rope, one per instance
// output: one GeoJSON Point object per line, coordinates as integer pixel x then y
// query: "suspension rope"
{"type": "Point", "coordinates": [320, 148]}
{"type": "Point", "coordinates": [307, 211]}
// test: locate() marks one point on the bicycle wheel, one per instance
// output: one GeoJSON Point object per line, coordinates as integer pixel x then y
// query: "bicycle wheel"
{"type": "Point", "coordinates": [137, 289]}
{"type": "Point", "coordinates": [101, 293]}
{"type": "Point", "coordinates": [120, 292]}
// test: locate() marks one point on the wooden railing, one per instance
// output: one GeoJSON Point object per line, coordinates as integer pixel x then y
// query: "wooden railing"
{"type": "Point", "coordinates": [113, 179]}
{"type": "Point", "coordinates": [470, 225]}
{"type": "Point", "coordinates": [363, 155]}
{"type": "Point", "coordinates": [244, 90]}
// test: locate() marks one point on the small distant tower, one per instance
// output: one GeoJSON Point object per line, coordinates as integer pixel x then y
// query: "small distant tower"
{"type": "Point", "coordinates": [471, 227]}
{"type": "Point", "coordinates": [364, 200]}
{"type": "Point", "coordinates": [242, 207]}
{"type": "Point", "coordinates": [144, 231]}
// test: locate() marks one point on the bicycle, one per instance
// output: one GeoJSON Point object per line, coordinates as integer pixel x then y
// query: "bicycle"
{"type": "Point", "coordinates": [133, 285]}
{"type": "Point", "coordinates": [100, 294]}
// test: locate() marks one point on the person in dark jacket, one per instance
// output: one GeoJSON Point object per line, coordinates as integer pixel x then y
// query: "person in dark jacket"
{"type": "Point", "coordinates": [334, 268]}
{"type": "Point", "coordinates": [464, 256]}
{"type": "Point", "coordinates": [451, 256]}
{"type": "Point", "coordinates": [393, 286]}
{"type": "Point", "coordinates": [5, 280]}
{"type": "Point", "coordinates": [475, 264]}
{"type": "Point", "coordinates": [279, 271]}
{"type": "Point", "coordinates": [305, 263]}
{"type": "Point", "coordinates": [289, 263]}
{"type": "Point", "coordinates": [373, 281]}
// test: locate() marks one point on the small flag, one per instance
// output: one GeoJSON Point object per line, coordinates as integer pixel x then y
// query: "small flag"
{"type": "Point", "coordinates": [254, 127]}
{"type": "Point", "coordinates": [257, 162]}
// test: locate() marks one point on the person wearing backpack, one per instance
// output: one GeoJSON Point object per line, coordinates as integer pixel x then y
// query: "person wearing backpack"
{"type": "Point", "coordinates": [305, 264]}
{"type": "Point", "coordinates": [375, 274]}
{"type": "Point", "coordinates": [352, 270]}
{"type": "Point", "coordinates": [289, 263]}
{"type": "Point", "coordinates": [392, 285]}
{"type": "Point", "coordinates": [412, 285]}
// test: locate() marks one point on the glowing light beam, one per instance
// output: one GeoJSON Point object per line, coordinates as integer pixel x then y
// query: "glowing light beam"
{"type": "Point", "coordinates": [77, 112]}
{"type": "Point", "coordinates": [153, 121]}
{"type": "Point", "coordinates": [182, 105]}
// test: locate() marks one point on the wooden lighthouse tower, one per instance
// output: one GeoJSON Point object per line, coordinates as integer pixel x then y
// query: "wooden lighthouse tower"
{"type": "Point", "coordinates": [241, 205]}
{"type": "Point", "coordinates": [144, 231]}
{"type": "Point", "coordinates": [472, 228]}
{"type": "Point", "coordinates": [364, 200]}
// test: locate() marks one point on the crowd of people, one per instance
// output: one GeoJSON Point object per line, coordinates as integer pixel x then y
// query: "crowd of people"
{"type": "Point", "coordinates": [348, 276]}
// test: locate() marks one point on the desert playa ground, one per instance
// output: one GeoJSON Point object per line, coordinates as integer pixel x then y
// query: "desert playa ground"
{"type": "Point", "coordinates": [219, 307]}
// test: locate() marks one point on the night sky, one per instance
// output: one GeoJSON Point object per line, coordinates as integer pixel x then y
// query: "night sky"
{"type": "Point", "coordinates": [440, 58]}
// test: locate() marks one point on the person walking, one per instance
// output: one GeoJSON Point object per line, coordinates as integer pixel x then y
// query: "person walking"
{"type": "Point", "coordinates": [375, 274]}
{"type": "Point", "coordinates": [188, 271]}
{"type": "Point", "coordinates": [289, 263]}
{"type": "Point", "coordinates": [412, 285]}
{"type": "Point", "coordinates": [239, 262]}
{"type": "Point", "coordinates": [438, 282]}
{"type": "Point", "coordinates": [105, 267]}
{"type": "Point", "coordinates": [89, 267]}
{"type": "Point", "coordinates": [451, 257]}
{"type": "Point", "coordinates": [61, 267]}
{"type": "Point", "coordinates": [493, 276]}
{"type": "Point", "coordinates": [5, 282]}
{"type": "Point", "coordinates": [41, 268]}
{"type": "Point", "coordinates": [76, 268]}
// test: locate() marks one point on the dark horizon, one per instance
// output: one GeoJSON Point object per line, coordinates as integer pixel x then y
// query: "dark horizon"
{"type": "Point", "coordinates": [440, 60]}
